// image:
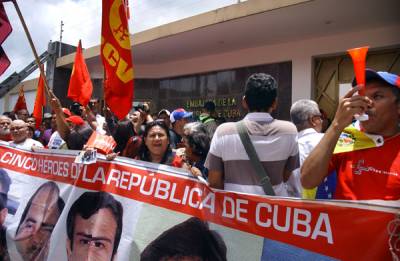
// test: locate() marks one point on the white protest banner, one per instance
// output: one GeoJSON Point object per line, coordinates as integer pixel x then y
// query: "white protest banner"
{"type": "Point", "coordinates": [132, 210]}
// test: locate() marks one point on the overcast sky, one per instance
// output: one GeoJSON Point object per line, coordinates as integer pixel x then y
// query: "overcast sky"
{"type": "Point", "coordinates": [82, 20]}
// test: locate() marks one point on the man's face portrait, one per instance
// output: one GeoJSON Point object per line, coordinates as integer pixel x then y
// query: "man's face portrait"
{"type": "Point", "coordinates": [93, 238]}
{"type": "Point", "coordinates": [33, 234]}
{"type": "Point", "coordinates": [22, 114]}
{"type": "Point", "coordinates": [19, 131]}
{"type": "Point", "coordinates": [384, 110]}
{"type": "Point", "coordinates": [5, 123]}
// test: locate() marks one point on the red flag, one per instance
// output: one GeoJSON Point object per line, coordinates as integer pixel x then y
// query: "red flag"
{"type": "Point", "coordinates": [21, 102]}
{"type": "Point", "coordinates": [80, 86]}
{"type": "Point", "coordinates": [5, 26]}
{"type": "Point", "coordinates": [126, 6]}
{"type": "Point", "coordinates": [117, 58]}
{"type": "Point", "coordinates": [40, 103]}
{"type": "Point", "coordinates": [4, 61]}
{"type": "Point", "coordinates": [5, 30]}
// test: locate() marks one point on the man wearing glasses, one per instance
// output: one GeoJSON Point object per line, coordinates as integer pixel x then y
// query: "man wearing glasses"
{"type": "Point", "coordinates": [305, 114]}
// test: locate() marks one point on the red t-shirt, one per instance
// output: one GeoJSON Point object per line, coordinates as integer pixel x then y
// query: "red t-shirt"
{"type": "Point", "coordinates": [370, 173]}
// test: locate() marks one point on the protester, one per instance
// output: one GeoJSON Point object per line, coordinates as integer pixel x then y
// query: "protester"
{"type": "Point", "coordinates": [164, 115]}
{"type": "Point", "coordinates": [80, 131]}
{"type": "Point", "coordinates": [38, 220]}
{"type": "Point", "coordinates": [76, 109]}
{"type": "Point", "coordinates": [98, 120]}
{"type": "Point", "coordinates": [371, 173]}
{"type": "Point", "coordinates": [275, 142]}
{"type": "Point", "coordinates": [94, 227]}
{"type": "Point", "coordinates": [124, 131]}
{"type": "Point", "coordinates": [155, 147]}
{"type": "Point", "coordinates": [306, 116]}
{"type": "Point", "coordinates": [5, 182]}
{"type": "Point", "coordinates": [22, 114]}
{"type": "Point", "coordinates": [5, 133]}
{"type": "Point", "coordinates": [31, 121]}
{"type": "Point", "coordinates": [190, 240]}
{"type": "Point", "coordinates": [31, 132]}
{"type": "Point", "coordinates": [179, 118]}
{"type": "Point", "coordinates": [145, 116]}
{"type": "Point", "coordinates": [197, 145]}
{"type": "Point", "coordinates": [19, 135]}
{"type": "Point", "coordinates": [55, 141]}
{"type": "Point", "coordinates": [10, 114]}
{"type": "Point", "coordinates": [49, 121]}
{"type": "Point", "coordinates": [207, 118]}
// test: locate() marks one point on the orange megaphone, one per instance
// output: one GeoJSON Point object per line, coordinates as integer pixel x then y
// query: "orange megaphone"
{"type": "Point", "coordinates": [358, 55]}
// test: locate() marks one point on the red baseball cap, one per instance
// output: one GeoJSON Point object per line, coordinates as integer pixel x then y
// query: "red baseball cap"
{"type": "Point", "coordinates": [66, 112]}
{"type": "Point", "coordinates": [75, 120]}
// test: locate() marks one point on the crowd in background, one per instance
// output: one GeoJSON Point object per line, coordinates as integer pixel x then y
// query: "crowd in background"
{"type": "Point", "coordinates": [297, 158]}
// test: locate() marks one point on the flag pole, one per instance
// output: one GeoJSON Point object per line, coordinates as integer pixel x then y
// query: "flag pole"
{"type": "Point", "coordinates": [104, 89]}
{"type": "Point", "coordinates": [28, 35]}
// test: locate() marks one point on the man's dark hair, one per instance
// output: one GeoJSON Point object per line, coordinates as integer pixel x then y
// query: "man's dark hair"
{"type": "Point", "coordinates": [75, 108]}
{"type": "Point", "coordinates": [261, 92]}
{"type": "Point", "coordinates": [5, 182]}
{"type": "Point", "coordinates": [192, 238]}
{"type": "Point", "coordinates": [87, 205]}
{"type": "Point", "coordinates": [209, 106]}
{"type": "Point", "coordinates": [60, 201]}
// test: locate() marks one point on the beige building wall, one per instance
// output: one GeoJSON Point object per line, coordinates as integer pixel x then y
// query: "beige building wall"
{"type": "Point", "coordinates": [301, 54]}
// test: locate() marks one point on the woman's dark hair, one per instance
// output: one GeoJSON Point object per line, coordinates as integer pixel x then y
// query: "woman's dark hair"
{"type": "Point", "coordinates": [144, 153]}
{"type": "Point", "coordinates": [199, 142]}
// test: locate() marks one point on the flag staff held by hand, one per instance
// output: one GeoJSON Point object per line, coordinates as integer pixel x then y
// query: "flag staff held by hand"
{"type": "Point", "coordinates": [49, 93]}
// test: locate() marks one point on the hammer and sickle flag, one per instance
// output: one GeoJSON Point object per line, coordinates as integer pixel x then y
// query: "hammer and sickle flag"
{"type": "Point", "coordinates": [117, 58]}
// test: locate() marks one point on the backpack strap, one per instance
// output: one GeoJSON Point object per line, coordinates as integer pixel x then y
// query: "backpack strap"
{"type": "Point", "coordinates": [251, 152]}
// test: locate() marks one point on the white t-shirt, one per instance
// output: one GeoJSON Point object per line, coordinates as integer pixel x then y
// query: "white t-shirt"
{"type": "Point", "coordinates": [308, 139]}
{"type": "Point", "coordinates": [55, 141]}
{"type": "Point", "coordinates": [100, 120]}
{"type": "Point", "coordinates": [27, 144]}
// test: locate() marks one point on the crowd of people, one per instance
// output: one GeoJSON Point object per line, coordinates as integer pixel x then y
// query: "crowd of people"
{"type": "Point", "coordinates": [257, 155]}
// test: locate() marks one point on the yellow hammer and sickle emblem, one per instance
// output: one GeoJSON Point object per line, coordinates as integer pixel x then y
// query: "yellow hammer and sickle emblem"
{"type": "Point", "coordinates": [119, 28]}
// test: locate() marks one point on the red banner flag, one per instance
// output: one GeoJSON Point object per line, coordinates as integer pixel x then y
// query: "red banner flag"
{"type": "Point", "coordinates": [21, 102]}
{"type": "Point", "coordinates": [40, 102]}
{"type": "Point", "coordinates": [80, 85]}
{"type": "Point", "coordinates": [117, 58]}
{"type": "Point", "coordinates": [5, 30]}
{"type": "Point", "coordinates": [4, 61]}
{"type": "Point", "coordinates": [5, 26]}
{"type": "Point", "coordinates": [126, 4]}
